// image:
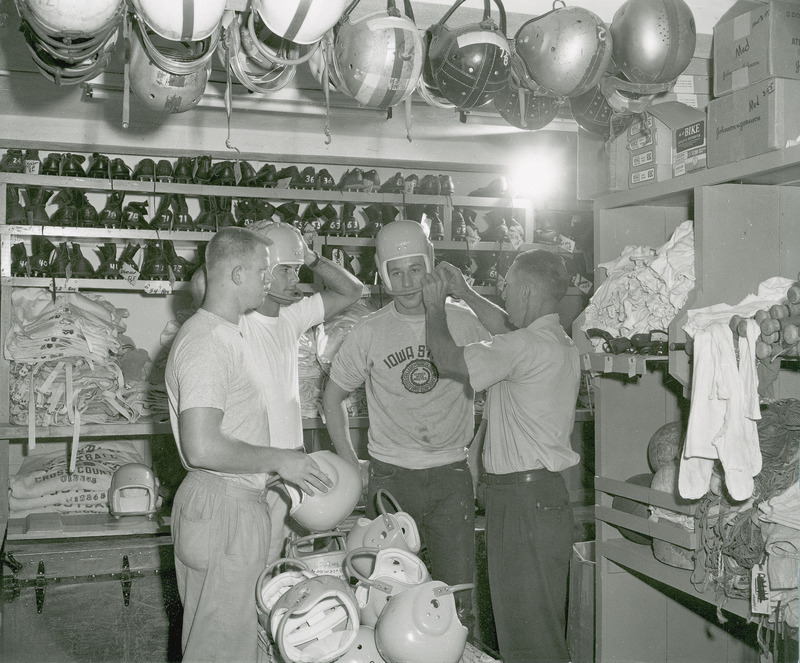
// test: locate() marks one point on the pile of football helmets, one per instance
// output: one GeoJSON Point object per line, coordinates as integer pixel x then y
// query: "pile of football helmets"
{"type": "Point", "coordinates": [566, 57]}
{"type": "Point", "coordinates": [361, 596]}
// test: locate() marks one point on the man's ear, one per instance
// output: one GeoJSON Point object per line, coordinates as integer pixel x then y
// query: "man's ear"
{"type": "Point", "coordinates": [236, 275]}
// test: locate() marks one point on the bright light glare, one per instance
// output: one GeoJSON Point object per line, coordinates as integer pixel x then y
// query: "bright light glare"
{"type": "Point", "coordinates": [536, 175]}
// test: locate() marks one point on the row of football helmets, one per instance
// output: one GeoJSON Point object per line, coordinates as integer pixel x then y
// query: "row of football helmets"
{"type": "Point", "coordinates": [607, 74]}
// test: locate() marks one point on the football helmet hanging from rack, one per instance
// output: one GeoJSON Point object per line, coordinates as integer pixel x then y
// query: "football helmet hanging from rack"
{"type": "Point", "coordinates": [183, 40]}
{"type": "Point", "coordinates": [71, 41]}
{"type": "Point", "coordinates": [250, 67]}
{"type": "Point", "coordinates": [469, 65]}
{"type": "Point", "coordinates": [378, 58]}
{"type": "Point", "coordinates": [653, 40]}
{"type": "Point", "coordinates": [522, 108]}
{"type": "Point", "coordinates": [562, 53]}
{"type": "Point", "coordinates": [300, 21]}
{"type": "Point", "coordinates": [593, 113]}
{"type": "Point", "coordinates": [159, 89]}
{"type": "Point", "coordinates": [275, 48]}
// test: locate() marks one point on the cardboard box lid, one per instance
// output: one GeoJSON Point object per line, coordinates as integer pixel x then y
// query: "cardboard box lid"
{"type": "Point", "coordinates": [675, 115]}
{"type": "Point", "coordinates": [739, 8]}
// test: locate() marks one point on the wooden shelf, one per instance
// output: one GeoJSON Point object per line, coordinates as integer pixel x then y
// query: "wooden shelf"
{"type": "Point", "coordinates": [640, 559]}
{"type": "Point", "coordinates": [780, 167]}
{"type": "Point", "coordinates": [276, 193]}
{"type": "Point", "coordinates": [626, 364]}
{"type": "Point", "coordinates": [68, 526]}
{"type": "Point", "coordinates": [106, 234]}
{"type": "Point", "coordinates": [138, 429]}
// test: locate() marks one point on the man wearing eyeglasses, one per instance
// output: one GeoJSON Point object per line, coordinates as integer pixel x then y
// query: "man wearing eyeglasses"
{"type": "Point", "coordinates": [532, 376]}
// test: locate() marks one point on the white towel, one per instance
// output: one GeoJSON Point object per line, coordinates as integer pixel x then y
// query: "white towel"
{"type": "Point", "coordinates": [722, 420]}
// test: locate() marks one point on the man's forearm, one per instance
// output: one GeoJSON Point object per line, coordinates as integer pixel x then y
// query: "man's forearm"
{"type": "Point", "coordinates": [448, 357]}
{"type": "Point", "coordinates": [338, 424]}
{"type": "Point", "coordinates": [338, 279]}
{"type": "Point", "coordinates": [491, 316]}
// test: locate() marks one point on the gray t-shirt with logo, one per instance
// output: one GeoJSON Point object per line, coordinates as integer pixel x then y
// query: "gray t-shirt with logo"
{"type": "Point", "coordinates": [417, 419]}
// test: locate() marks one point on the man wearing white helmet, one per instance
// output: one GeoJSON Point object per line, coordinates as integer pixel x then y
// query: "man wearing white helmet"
{"type": "Point", "coordinates": [273, 331]}
{"type": "Point", "coordinates": [531, 372]}
{"type": "Point", "coordinates": [420, 423]}
{"type": "Point", "coordinates": [219, 418]}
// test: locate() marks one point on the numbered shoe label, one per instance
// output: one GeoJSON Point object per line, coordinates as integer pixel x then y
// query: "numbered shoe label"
{"type": "Point", "coordinates": [158, 288]}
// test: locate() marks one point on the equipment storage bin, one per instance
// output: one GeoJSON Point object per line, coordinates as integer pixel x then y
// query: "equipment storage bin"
{"type": "Point", "coordinates": [90, 600]}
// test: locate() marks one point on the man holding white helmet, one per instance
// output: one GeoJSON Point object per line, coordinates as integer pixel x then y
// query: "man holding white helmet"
{"type": "Point", "coordinates": [220, 524]}
{"type": "Point", "coordinates": [420, 423]}
{"type": "Point", "coordinates": [273, 331]}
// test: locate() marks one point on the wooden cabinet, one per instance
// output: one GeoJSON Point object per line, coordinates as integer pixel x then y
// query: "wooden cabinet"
{"type": "Point", "coordinates": [746, 230]}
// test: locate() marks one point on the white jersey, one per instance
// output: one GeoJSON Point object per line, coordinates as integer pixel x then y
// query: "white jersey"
{"type": "Point", "coordinates": [275, 343]}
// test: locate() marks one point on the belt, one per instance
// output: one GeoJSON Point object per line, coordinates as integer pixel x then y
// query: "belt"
{"type": "Point", "coordinates": [528, 476]}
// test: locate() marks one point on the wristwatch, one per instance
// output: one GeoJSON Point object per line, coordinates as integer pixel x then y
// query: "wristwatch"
{"type": "Point", "coordinates": [316, 260]}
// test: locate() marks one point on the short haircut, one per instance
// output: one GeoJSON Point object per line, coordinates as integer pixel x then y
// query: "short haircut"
{"type": "Point", "coordinates": [232, 245]}
{"type": "Point", "coordinates": [545, 269]}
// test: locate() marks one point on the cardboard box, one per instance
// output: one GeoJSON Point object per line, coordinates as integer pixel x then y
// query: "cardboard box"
{"type": "Point", "coordinates": [700, 101]}
{"type": "Point", "coordinates": [758, 119]}
{"type": "Point", "coordinates": [755, 41]}
{"type": "Point", "coordinates": [691, 84]}
{"type": "Point", "coordinates": [669, 140]}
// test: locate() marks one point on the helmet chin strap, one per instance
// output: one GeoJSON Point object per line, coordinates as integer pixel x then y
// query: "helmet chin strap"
{"type": "Point", "coordinates": [410, 291]}
{"type": "Point", "coordinates": [296, 296]}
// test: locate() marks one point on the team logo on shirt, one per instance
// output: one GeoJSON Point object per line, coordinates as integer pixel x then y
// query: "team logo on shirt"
{"type": "Point", "coordinates": [420, 376]}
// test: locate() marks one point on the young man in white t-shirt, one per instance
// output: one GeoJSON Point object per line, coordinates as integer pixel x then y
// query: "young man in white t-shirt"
{"type": "Point", "coordinates": [420, 423]}
{"type": "Point", "coordinates": [220, 525]}
{"type": "Point", "coordinates": [273, 331]}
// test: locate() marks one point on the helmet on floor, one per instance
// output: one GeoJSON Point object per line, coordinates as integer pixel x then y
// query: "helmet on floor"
{"type": "Point", "coordinates": [421, 624]}
{"type": "Point", "coordinates": [363, 649]}
{"type": "Point", "coordinates": [315, 621]}
{"type": "Point", "coordinates": [394, 571]}
{"type": "Point", "coordinates": [387, 530]}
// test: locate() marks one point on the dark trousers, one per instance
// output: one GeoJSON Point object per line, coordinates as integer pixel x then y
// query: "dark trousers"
{"type": "Point", "coordinates": [442, 503]}
{"type": "Point", "coordinates": [529, 537]}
